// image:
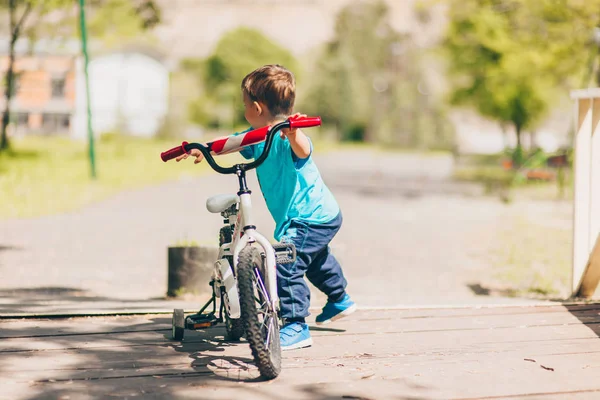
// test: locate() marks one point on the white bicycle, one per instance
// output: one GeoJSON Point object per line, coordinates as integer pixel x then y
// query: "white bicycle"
{"type": "Point", "coordinates": [244, 278]}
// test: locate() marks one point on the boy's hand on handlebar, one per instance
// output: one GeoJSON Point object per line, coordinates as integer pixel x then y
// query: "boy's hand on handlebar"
{"type": "Point", "coordinates": [286, 133]}
{"type": "Point", "coordinates": [298, 141]}
{"type": "Point", "coordinates": [194, 153]}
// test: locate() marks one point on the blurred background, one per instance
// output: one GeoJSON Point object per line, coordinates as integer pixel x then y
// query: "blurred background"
{"type": "Point", "coordinates": [447, 139]}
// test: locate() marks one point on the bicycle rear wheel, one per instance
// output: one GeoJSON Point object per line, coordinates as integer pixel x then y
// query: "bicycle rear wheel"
{"type": "Point", "coordinates": [259, 318]}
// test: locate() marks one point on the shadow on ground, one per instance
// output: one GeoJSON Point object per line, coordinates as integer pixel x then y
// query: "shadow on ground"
{"type": "Point", "coordinates": [43, 300]}
{"type": "Point", "coordinates": [586, 312]}
{"type": "Point", "coordinates": [479, 290]}
{"type": "Point", "coordinates": [64, 360]}
{"type": "Point", "coordinates": [587, 315]}
{"type": "Point", "coordinates": [9, 247]}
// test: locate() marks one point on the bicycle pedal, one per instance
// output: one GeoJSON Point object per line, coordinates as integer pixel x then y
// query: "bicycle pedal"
{"type": "Point", "coordinates": [200, 321]}
{"type": "Point", "coordinates": [285, 253]}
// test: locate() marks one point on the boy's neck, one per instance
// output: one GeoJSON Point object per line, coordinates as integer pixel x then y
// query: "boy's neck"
{"type": "Point", "coordinates": [273, 120]}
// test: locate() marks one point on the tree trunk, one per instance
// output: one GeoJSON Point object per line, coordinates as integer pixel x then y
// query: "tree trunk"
{"type": "Point", "coordinates": [518, 154]}
{"type": "Point", "coordinates": [9, 75]}
{"type": "Point", "coordinates": [15, 30]}
{"type": "Point", "coordinates": [533, 145]}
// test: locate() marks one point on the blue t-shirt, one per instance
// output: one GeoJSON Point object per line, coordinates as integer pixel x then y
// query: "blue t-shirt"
{"type": "Point", "coordinates": [293, 188]}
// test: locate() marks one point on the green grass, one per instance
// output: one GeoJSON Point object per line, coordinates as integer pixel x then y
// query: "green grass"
{"type": "Point", "coordinates": [49, 175]}
{"type": "Point", "coordinates": [42, 176]}
{"type": "Point", "coordinates": [492, 176]}
{"type": "Point", "coordinates": [508, 185]}
{"type": "Point", "coordinates": [533, 260]}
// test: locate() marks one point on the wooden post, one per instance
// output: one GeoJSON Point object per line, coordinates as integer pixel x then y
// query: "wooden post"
{"type": "Point", "coordinates": [586, 205]}
{"type": "Point", "coordinates": [190, 270]}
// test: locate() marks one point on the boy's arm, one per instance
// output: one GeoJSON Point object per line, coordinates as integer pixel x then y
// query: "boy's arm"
{"type": "Point", "coordinates": [246, 152]}
{"type": "Point", "coordinates": [195, 153]}
{"type": "Point", "coordinates": [298, 140]}
{"type": "Point", "coordinates": [299, 143]}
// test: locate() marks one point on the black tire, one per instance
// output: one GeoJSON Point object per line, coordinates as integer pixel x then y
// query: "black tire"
{"type": "Point", "coordinates": [267, 356]}
{"type": "Point", "coordinates": [178, 323]}
{"type": "Point", "coordinates": [233, 326]}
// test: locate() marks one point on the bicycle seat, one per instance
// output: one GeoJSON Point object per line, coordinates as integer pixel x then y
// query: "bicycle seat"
{"type": "Point", "coordinates": [221, 202]}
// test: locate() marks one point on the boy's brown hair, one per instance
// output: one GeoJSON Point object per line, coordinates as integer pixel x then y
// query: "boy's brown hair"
{"type": "Point", "coordinates": [274, 86]}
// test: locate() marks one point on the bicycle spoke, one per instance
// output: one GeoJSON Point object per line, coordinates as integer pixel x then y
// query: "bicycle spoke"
{"type": "Point", "coordinates": [267, 316]}
{"type": "Point", "coordinates": [269, 332]}
{"type": "Point", "coordinates": [261, 286]}
{"type": "Point", "coordinates": [262, 291]}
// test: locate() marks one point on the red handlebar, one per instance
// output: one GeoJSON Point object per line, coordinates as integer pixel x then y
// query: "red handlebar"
{"type": "Point", "coordinates": [235, 143]}
{"type": "Point", "coordinates": [304, 122]}
{"type": "Point", "coordinates": [173, 153]}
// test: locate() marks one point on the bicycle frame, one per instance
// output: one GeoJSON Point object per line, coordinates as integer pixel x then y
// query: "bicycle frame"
{"type": "Point", "coordinates": [251, 236]}
{"type": "Point", "coordinates": [245, 233]}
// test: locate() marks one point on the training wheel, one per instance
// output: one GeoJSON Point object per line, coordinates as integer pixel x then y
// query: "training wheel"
{"type": "Point", "coordinates": [178, 324]}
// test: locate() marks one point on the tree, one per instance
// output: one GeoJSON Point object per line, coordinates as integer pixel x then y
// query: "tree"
{"type": "Point", "coordinates": [369, 83]}
{"type": "Point", "coordinates": [507, 58]}
{"type": "Point", "coordinates": [16, 25]}
{"type": "Point", "coordinates": [237, 53]}
{"type": "Point", "coordinates": [354, 69]}
{"type": "Point", "coordinates": [30, 17]}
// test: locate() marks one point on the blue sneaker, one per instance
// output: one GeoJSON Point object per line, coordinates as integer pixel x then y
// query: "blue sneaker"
{"type": "Point", "coordinates": [295, 335]}
{"type": "Point", "coordinates": [335, 311]}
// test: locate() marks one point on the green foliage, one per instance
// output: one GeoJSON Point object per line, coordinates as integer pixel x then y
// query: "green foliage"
{"type": "Point", "coordinates": [238, 53]}
{"type": "Point", "coordinates": [114, 20]}
{"type": "Point", "coordinates": [107, 19]}
{"type": "Point", "coordinates": [41, 6]}
{"type": "Point", "coordinates": [508, 58]}
{"type": "Point", "coordinates": [43, 175]}
{"type": "Point", "coordinates": [242, 50]}
{"type": "Point", "coordinates": [358, 58]}
{"type": "Point", "coordinates": [369, 83]}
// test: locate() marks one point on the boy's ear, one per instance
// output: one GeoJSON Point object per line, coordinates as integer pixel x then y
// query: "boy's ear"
{"type": "Point", "coordinates": [257, 107]}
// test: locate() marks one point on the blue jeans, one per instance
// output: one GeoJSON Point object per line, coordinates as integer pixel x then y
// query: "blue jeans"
{"type": "Point", "coordinates": [314, 259]}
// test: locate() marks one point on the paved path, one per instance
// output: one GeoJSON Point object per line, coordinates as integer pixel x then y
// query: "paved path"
{"type": "Point", "coordinates": [550, 352]}
{"type": "Point", "coordinates": [410, 237]}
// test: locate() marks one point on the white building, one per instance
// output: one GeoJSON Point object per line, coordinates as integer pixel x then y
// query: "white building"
{"type": "Point", "coordinates": [129, 93]}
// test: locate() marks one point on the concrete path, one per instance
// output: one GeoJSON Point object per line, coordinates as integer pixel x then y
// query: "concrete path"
{"type": "Point", "coordinates": [545, 352]}
{"type": "Point", "coordinates": [410, 237]}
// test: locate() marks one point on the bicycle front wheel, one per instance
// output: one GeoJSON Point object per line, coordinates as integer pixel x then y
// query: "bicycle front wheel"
{"type": "Point", "coordinates": [260, 319]}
